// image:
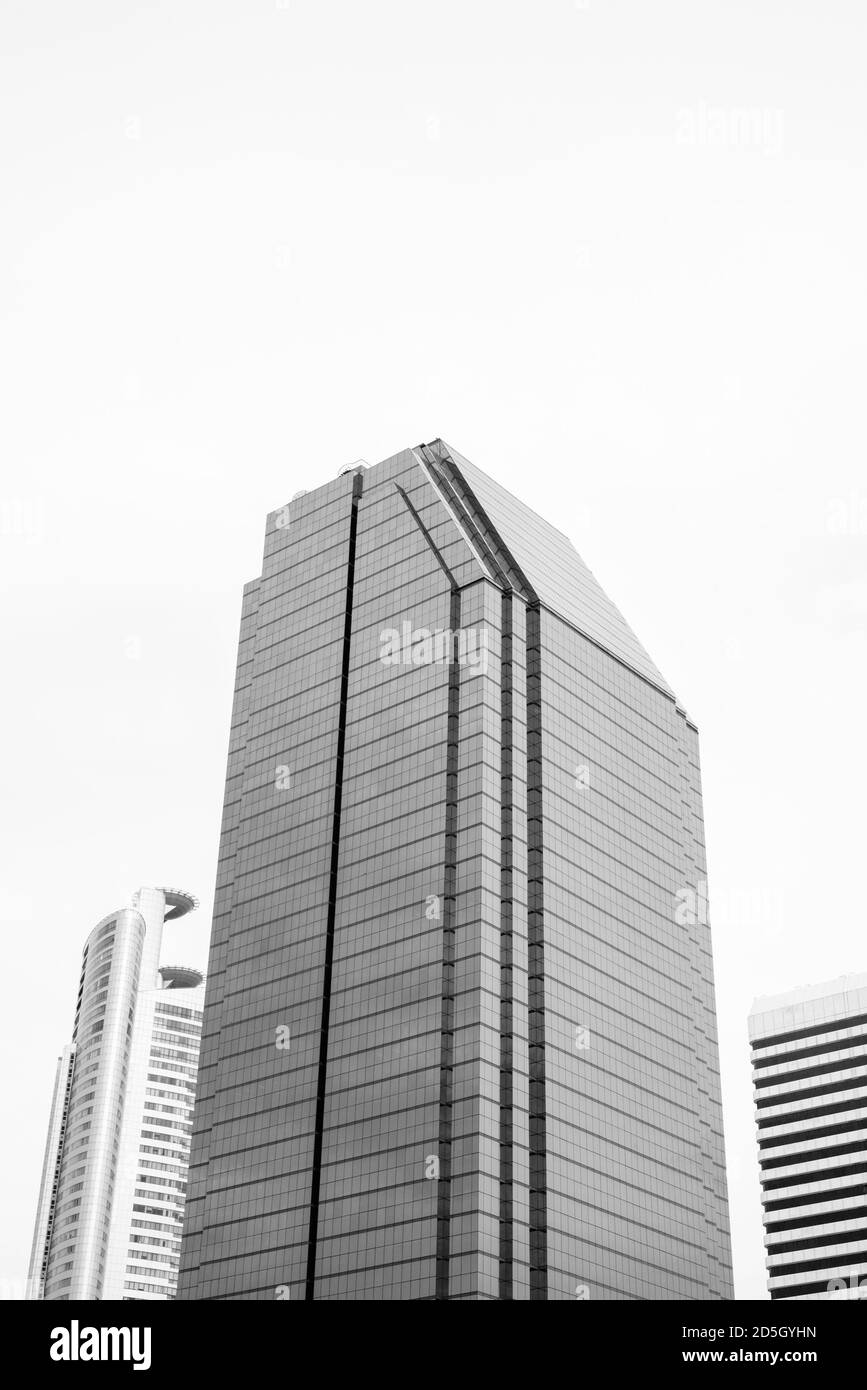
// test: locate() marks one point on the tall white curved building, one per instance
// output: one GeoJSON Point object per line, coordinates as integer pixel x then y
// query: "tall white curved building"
{"type": "Point", "coordinates": [111, 1202]}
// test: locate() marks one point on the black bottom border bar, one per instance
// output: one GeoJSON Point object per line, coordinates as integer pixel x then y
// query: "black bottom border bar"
{"type": "Point", "coordinates": [618, 1337]}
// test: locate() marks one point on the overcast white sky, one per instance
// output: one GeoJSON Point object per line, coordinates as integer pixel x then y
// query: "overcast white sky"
{"type": "Point", "coordinates": [612, 251]}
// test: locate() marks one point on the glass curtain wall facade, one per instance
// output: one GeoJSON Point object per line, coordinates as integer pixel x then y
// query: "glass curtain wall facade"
{"type": "Point", "coordinates": [809, 1056]}
{"type": "Point", "coordinates": [459, 1037]}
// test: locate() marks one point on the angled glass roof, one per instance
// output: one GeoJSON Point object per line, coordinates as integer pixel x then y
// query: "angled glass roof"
{"type": "Point", "coordinates": [555, 569]}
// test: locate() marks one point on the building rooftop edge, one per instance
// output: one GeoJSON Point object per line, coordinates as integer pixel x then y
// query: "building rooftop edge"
{"type": "Point", "coordinates": [660, 684]}
{"type": "Point", "coordinates": [808, 994]}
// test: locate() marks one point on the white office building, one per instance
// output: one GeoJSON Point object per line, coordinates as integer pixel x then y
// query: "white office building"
{"type": "Point", "coordinates": [111, 1202]}
{"type": "Point", "coordinates": [809, 1058]}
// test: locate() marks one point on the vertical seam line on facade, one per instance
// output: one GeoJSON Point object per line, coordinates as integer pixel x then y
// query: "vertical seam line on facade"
{"type": "Point", "coordinates": [506, 1213]}
{"type": "Point", "coordinates": [443, 1240]}
{"type": "Point", "coordinates": [536, 966]}
{"type": "Point", "coordinates": [313, 1230]}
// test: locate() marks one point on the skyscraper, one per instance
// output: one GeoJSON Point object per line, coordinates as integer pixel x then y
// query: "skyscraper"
{"type": "Point", "coordinates": [459, 1037]}
{"type": "Point", "coordinates": [809, 1055]}
{"type": "Point", "coordinates": [111, 1203]}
